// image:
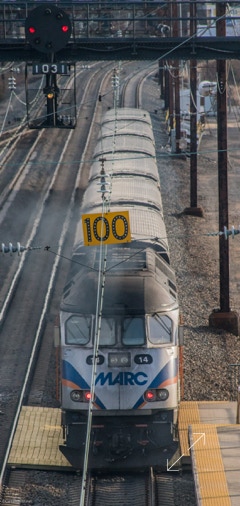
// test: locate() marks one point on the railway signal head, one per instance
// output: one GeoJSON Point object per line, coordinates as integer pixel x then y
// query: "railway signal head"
{"type": "Point", "coordinates": [50, 92]}
{"type": "Point", "coordinates": [115, 80]}
{"type": "Point", "coordinates": [48, 28]}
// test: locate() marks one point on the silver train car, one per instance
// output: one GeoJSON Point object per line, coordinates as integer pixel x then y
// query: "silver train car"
{"type": "Point", "coordinates": [134, 402]}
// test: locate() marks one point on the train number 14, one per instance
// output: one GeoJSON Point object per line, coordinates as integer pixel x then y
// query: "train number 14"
{"type": "Point", "coordinates": [107, 228]}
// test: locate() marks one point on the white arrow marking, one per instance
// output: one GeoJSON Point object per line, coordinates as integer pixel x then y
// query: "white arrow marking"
{"type": "Point", "coordinates": [202, 435]}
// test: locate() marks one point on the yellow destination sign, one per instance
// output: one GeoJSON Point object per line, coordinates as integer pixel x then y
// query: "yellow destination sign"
{"type": "Point", "coordinates": [107, 228]}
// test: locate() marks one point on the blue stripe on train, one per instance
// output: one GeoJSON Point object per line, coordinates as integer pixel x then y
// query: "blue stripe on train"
{"type": "Point", "coordinates": [169, 371]}
{"type": "Point", "coordinates": [69, 373]}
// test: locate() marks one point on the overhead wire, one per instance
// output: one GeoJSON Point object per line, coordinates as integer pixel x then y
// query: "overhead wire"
{"type": "Point", "coordinates": [232, 232]}
{"type": "Point", "coordinates": [99, 307]}
{"type": "Point", "coordinates": [97, 331]}
{"type": "Point", "coordinates": [179, 45]}
{"type": "Point", "coordinates": [101, 281]}
{"type": "Point", "coordinates": [7, 110]}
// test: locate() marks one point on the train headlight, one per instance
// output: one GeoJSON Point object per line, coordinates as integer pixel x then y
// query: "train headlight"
{"type": "Point", "coordinates": [80, 395]}
{"type": "Point", "coordinates": [162, 394]}
{"type": "Point", "coordinates": [76, 395]}
{"type": "Point", "coordinates": [156, 394]}
{"type": "Point", "coordinates": [119, 359]}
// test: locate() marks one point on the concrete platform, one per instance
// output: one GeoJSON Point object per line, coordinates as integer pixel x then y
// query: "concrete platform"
{"type": "Point", "coordinates": [210, 443]}
{"type": "Point", "coordinates": [199, 412]}
{"type": "Point", "coordinates": [216, 464]}
{"type": "Point", "coordinates": [36, 440]}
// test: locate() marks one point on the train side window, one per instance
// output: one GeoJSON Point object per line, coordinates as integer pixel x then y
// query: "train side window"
{"type": "Point", "coordinates": [133, 331]}
{"type": "Point", "coordinates": [108, 332]}
{"type": "Point", "coordinates": [78, 329]}
{"type": "Point", "coordinates": [160, 329]}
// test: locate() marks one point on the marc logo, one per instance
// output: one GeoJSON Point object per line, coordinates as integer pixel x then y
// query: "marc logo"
{"type": "Point", "coordinates": [122, 378]}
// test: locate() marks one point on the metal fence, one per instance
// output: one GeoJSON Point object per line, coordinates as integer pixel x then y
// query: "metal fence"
{"type": "Point", "coordinates": [121, 19]}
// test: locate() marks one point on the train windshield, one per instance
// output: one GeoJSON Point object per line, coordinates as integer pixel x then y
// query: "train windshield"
{"type": "Point", "coordinates": [78, 329]}
{"type": "Point", "coordinates": [160, 329]}
{"type": "Point", "coordinates": [133, 332]}
{"type": "Point", "coordinates": [108, 332]}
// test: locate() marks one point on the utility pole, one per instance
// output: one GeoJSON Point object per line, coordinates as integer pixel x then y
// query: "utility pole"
{"type": "Point", "coordinates": [193, 209]}
{"type": "Point", "coordinates": [166, 88]}
{"type": "Point", "coordinates": [161, 78]}
{"type": "Point", "coordinates": [224, 317]}
{"type": "Point", "coordinates": [176, 79]}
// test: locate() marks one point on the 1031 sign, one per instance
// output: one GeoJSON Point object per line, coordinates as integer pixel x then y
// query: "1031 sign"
{"type": "Point", "coordinates": [49, 68]}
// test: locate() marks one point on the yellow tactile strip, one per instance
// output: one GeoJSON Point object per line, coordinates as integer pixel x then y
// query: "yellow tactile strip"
{"type": "Point", "coordinates": [37, 438]}
{"type": "Point", "coordinates": [208, 469]}
{"type": "Point", "coordinates": [188, 414]}
{"type": "Point", "coordinates": [207, 463]}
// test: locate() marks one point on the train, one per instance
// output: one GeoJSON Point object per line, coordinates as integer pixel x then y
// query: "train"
{"type": "Point", "coordinates": [119, 313]}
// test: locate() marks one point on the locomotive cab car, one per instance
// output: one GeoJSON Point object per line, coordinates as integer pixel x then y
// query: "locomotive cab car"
{"type": "Point", "coordinates": [132, 397]}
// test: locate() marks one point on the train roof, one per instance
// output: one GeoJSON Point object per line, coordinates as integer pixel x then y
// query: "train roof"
{"type": "Point", "coordinates": [126, 127]}
{"type": "Point", "coordinates": [144, 284]}
{"type": "Point", "coordinates": [127, 164]}
{"type": "Point", "coordinates": [124, 190]}
{"type": "Point", "coordinates": [146, 225]}
{"type": "Point", "coordinates": [127, 113]}
{"type": "Point", "coordinates": [139, 278]}
{"type": "Point", "coordinates": [125, 144]}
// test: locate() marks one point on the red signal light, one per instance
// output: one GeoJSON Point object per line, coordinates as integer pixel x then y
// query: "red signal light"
{"type": "Point", "coordinates": [87, 396]}
{"type": "Point", "coordinates": [48, 29]}
{"type": "Point", "coordinates": [149, 395]}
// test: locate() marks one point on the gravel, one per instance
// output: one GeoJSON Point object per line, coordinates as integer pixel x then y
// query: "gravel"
{"type": "Point", "coordinates": [208, 352]}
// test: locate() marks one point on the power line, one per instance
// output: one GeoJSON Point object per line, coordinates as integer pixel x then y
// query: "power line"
{"type": "Point", "coordinates": [227, 233]}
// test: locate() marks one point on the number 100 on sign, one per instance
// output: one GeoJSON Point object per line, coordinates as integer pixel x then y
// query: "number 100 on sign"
{"type": "Point", "coordinates": [107, 228]}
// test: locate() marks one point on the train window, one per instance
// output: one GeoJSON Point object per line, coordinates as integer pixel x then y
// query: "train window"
{"type": "Point", "coordinates": [108, 332]}
{"type": "Point", "coordinates": [78, 330]}
{"type": "Point", "coordinates": [160, 329]}
{"type": "Point", "coordinates": [133, 331]}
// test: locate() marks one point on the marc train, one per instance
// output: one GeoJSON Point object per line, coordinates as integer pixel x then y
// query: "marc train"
{"type": "Point", "coordinates": [136, 394]}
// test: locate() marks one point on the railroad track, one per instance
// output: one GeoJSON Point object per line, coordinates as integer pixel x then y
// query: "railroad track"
{"type": "Point", "coordinates": [131, 89]}
{"type": "Point", "coordinates": [11, 493]}
{"type": "Point", "coordinates": [132, 489]}
{"type": "Point", "coordinates": [145, 489]}
{"type": "Point", "coordinates": [26, 283]}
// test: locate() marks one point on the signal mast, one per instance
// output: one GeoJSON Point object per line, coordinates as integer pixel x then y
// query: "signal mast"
{"type": "Point", "coordinates": [48, 30]}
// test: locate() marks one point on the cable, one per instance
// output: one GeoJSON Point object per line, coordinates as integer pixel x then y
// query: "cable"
{"type": "Point", "coordinates": [176, 47]}
{"type": "Point", "coordinates": [5, 117]}
{"type": "Point", "coordinates": [226, 233]}
{"type": "Point", "coordinates": [100, 298]}
{"type": "Point", "coordinates": [158, 156]}
{"type": "Point", "coordinates": [97, 332]}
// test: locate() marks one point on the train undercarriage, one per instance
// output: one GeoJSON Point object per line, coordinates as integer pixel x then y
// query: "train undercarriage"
{"type": "Point", "coordinates": [120, 442]}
